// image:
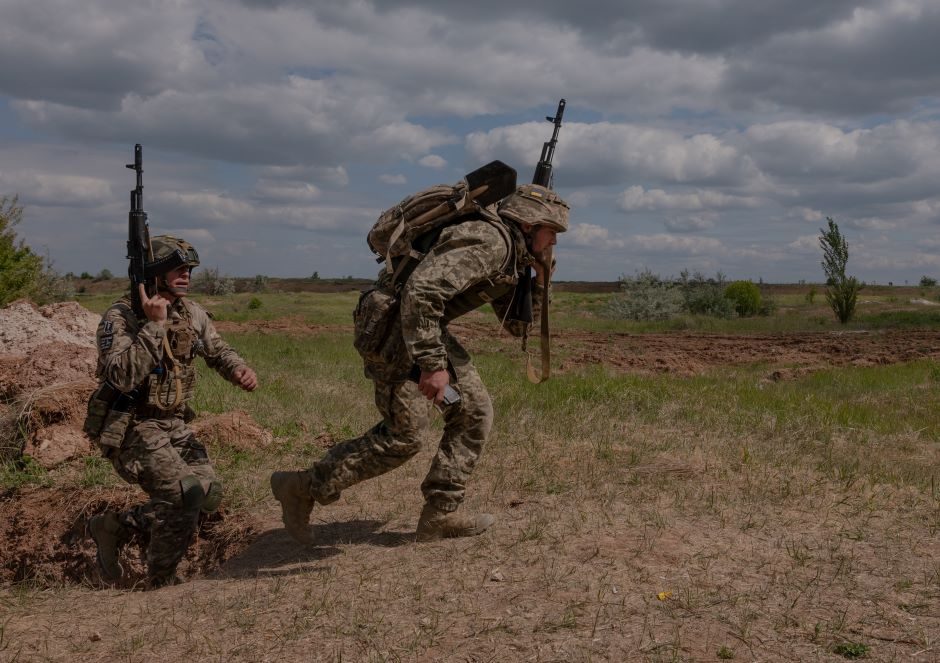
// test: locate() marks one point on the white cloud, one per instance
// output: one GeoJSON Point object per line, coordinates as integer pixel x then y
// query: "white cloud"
{"type": "Point", "coordinates": [40, 188]}
{"type": "Point", "coordinates": [610, 153]}
{"type": "Point", "coordinates": [690, 223]}
{"type": "Point", "coordinates": [433, 161]}
{"type": "Point", "coordinates": [805, 244]}
{"type": "Point", "coordinates": [676, 245]}
{"type": "Point", "coordinates": [635, 198]}
{"type": "Point", "coordinates": [207, 206]}
{"type": "Point", "coordinates": [287, 192]}
{"type": "Point", "coordinates": [593, 236]}
{"type": "Point", "coordinates": [393, 179]}
{"type": "Point", "coordinates": [807, 214]}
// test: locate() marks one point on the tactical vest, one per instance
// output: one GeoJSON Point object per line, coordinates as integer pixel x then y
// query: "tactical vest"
{"type": "Point", "coordinates": [174, 381]}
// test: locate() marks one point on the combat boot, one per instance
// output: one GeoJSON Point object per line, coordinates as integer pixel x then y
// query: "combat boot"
{"type": "Point", "coordinates": [436, 524]}
{"type": "Point", "coordinates": [107, 532]}
{"type": "Point", "coordinates": [292, 490]}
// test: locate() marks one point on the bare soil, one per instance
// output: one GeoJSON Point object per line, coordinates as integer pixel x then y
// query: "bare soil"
{"type": "Point", "coordinates": [673, 543]}
{"type": "Point", "coordinates": [45, 537]}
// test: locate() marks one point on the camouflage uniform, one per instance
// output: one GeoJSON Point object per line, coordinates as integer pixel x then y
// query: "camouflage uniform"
{"type": "Point", "coordinates": [474, 262]}
{"type": "Point", "coordinates": [159, 451]}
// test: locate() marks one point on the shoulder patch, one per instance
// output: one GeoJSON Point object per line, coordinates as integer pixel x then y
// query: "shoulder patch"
{"type": "Point", "coordinates": [106, 341]}
{"type": "Point", "coordinates": [108, 327]}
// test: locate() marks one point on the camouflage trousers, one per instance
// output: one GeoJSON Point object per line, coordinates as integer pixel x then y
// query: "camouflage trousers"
{"type": "Point", "coordinates": [397, 438]}
{"type": "Point", "coordinates": [172, 467]}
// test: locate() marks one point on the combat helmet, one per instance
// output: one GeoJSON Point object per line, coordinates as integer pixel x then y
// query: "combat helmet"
{"type": "Point", "coordinates": [536, 205]}
{"type": "Point", "coordinates": [169, 253]}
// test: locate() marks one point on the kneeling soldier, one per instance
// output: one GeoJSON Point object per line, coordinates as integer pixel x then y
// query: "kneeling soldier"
{"type": "Point", "coordinates": [139, 413]}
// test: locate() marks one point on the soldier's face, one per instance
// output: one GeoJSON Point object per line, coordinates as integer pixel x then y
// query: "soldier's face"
{"type": "Point", "coordinates": [542, 238]}
{"type": "Point", "coordinates": [177, 281]}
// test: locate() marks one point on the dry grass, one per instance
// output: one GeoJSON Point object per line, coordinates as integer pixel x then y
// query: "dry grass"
{"type": "Point", "coordinates": [639, 518]}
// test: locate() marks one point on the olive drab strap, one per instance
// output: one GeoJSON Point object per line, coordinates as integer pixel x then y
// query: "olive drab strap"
{"type": "Point", "coordinates": [545, 340]}
{"type": "Point", "coordinates": [177, 381]}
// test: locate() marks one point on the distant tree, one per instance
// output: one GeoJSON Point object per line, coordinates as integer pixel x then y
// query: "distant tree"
{"type": "Point", "coordinates": [104, 275]}
{"type": "Point", "coordinates": [841, 290]}
{"type": "Point", "coordinates": [85, 276]}
{"type": "Point", "coordinates": [745, 296]}
{"type": "Point", "coordinates": [20, 268]}
{"type": "Point", "coordinates": [315, 277]}
{"type": "Point", "coordinates": [260, 284]}
{"type": "Point", "coordinates": [927, 282]}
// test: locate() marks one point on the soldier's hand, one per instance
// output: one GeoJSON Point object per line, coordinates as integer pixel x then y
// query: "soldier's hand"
{"type": "Point", "coordinates": [245, 378]}
{"type": "Point", "coordinates": [545, 259]}
{"type": "Point", "coordinates": [432, 385]}
{"type": "Point", "coordinates": [155, 308]}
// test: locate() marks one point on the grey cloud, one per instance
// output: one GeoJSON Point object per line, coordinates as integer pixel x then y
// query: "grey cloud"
{"type": "Point", "coordinates": [299, 122]}
{"type": "Point", "coordinates": [607, 153]}
{"type": "Point", "coordinates": [878, 60]}
{"type": "Point", "coordinates": [690, 223]}
{"type": "Point", "coordinates": [43, 188]}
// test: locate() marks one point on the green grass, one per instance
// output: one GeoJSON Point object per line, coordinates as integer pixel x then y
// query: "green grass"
{"type": "Point", "coordinates": [312, 308]}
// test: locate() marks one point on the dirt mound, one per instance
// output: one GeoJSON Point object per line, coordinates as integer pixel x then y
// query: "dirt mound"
{"type": "Point", "coordinates": [45, 364]}
{"type": "Point", "coordinates": [44, 535]}
{"type": "Point", "coordinates": [23, 326]}
{"type": "Point", "coordinates": [236, 430]}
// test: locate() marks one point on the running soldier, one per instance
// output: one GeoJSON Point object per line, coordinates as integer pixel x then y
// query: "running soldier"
{"type": "Point", "coordinates": [479, 259]}
{"type": "Point", "coordinates": [140, 411]}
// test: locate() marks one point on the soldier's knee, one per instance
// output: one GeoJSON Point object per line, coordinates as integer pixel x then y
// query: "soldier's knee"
{"type": "Point", "coordinates": [213, 497]}
{"type": "Point", "coordinates": [478, 413]}
{"type": "Point", "coordinates": [192, 496]}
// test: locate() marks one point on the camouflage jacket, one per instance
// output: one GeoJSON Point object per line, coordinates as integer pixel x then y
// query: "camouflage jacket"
{"type": "Point", "coordinates": [129, 350]}
{"type": "Point", "coordinates": [473, 263]}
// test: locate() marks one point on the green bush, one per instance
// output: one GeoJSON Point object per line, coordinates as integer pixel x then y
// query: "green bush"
{"type": "Point", "coordinates": [745, 297]}
{"type": "Point", "coordinates": [646, 297]}
{"type": "Point", "coordinates": [211, 282]}
{"type": "Point", "coordinates": [927, 282]}
{"type": "Point", "coordinates": [20, 268]}
{"type": "Point", "coordinates": [22, 272]}
{"type": "Point", "coordinates": [254, 303]}
{"type": "Point", "coordinates": [705, 295]}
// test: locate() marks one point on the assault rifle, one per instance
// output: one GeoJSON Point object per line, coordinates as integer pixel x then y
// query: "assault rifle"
{"type": "Point", "coordinates": [543, 177]}
{"type": "Point", "coordinates": [139, 251]}
{"type": "Point", "coordinates": [543, 171]}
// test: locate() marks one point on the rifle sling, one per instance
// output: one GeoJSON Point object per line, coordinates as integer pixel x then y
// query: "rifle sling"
{"type": "Point", "coordinates": [545, 340]}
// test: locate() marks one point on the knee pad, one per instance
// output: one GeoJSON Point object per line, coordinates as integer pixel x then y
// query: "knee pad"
{"type": "Point", "coordinates": [193, 494]}
{"type": "Point", "coordinates": [213, 497]}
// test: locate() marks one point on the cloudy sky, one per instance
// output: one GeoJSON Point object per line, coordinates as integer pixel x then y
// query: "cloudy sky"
{"type": "Point", "coordinates": [700, 134]}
